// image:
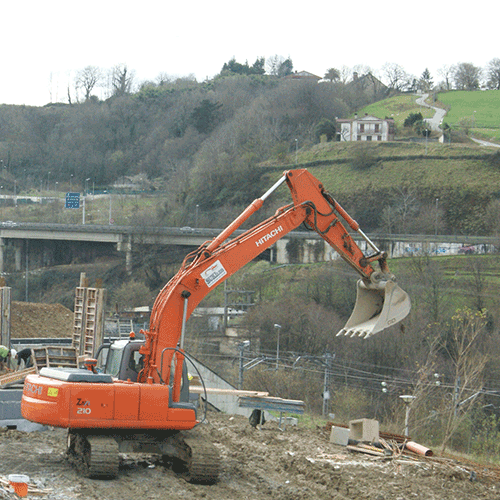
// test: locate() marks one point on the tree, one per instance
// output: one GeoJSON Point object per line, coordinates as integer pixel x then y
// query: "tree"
{"type": "Point", "coordinates": [332, 74]}
{"type": "Point", "coordinates": [87, 79]}
{"type": "Point", "coordinates": [279, 66]}
{"type": "Point", "coordinates": [426, 82]}
{"type": "Point", "coordinates": [121, 80]}
{"type": "Point", "coordinates": [493, 72]}
{"type": "Point", "coordinates": [206, 116]}
{"type": "Point", "coordinates": [466, 76]}
{"type": "Point", "coordinates": [233, 66]}
{"type": "Point", "coordinates": [412, 118]}
{"type": "Point", "coordinates": [325, 127]}
{"type": "Point", "coordinates": [468, 363]}
{"type": "Point", "coordinates": [396, 77]}
{"type": "Point", "coordinates": [344, 74]}
{"type": "Point", "coordinates": [422, 127]}
{"type": "Point", "coordinates": [285, 68]}
{"type": "Point", "coordinates": [446, 72]}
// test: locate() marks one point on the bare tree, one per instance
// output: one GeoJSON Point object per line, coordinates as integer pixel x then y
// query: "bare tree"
{"type": "Point", "coordinates": [468, 366]}
{"type": "Point", "coordinates": [434, 297]}
{"type": "Point", "coordinates": [121, 80]}
{"type": "Point", "coordinates": [396, 77]}
{"type": "Point", "coordinates": [87, 79]}
{"type": "Point", "coordinates": [273, 64]}
{"type": "Point", "coordinates": [477, 283]}
{"type": "Point", "coordinates": [361, 69]}
{"type": "Point", "coordinates": [279, 66]}
{"type": "Point", "coordinates": [446, 73]}
{"type": "Point", "coordinates": [493, 72]}
{"type": "Point", "coordinates": [344, 74]}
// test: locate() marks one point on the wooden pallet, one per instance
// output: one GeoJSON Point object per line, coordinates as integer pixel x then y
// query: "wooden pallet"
{"type": "Point", "coordinates": [55, 356]}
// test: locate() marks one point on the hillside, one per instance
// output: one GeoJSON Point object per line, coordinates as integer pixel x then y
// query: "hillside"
{"type": "Point", "coordinates": [397, 107]}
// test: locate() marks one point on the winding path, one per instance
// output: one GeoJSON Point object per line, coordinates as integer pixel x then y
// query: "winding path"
{"type": "Point", "coordinates": [439, 113]}
{"type": "Point", "coordinates": [438, 117]}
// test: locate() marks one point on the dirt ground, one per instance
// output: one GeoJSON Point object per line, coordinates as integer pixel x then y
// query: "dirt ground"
{"type": "Point", "coordinates": [296, 463]}
{"type": "Point", "coordinates": [32, 320]}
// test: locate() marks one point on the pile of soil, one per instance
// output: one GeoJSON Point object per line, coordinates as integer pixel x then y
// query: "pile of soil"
{"type": "Point", "coordinates": [31, 320]}
{"type": "Point", "coordinates": [297, 463]}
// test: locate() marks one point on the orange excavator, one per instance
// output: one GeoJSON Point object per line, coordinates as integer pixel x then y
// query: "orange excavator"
{"type": "Point", "coordinates": [139, 399]}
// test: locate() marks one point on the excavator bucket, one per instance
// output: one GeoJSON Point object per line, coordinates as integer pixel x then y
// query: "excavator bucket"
{"type": "Point", "coordinates": [376, 309]}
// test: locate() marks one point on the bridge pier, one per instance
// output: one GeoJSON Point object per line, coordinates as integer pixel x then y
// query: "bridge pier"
{"type": "Point", "coordinates": [125, 245]}
{"type": "Point", "coordinates": [18, 254]}
{"type": "Point", "coordinates": [2, 249]}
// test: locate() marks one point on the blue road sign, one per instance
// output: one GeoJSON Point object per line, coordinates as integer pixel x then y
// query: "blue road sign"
{"type": "Point", "coordinates": [72, 200]}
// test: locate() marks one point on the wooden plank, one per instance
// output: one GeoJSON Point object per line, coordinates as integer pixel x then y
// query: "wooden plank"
{"type": "Point", "coordinates": [9, 378]}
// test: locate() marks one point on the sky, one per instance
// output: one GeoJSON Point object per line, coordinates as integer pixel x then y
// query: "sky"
{"type": "Point", "coordinates": [45, 43]}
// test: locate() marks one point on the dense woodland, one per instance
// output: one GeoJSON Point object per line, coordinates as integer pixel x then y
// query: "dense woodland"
{"type": "Point", "coordinates": [181, 134]}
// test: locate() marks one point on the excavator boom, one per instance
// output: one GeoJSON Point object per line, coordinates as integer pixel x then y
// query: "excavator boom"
{"type": "Point", "coordinates": [380, 301]}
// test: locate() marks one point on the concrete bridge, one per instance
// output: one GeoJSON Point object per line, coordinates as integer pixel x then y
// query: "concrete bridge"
{"type": "Point", "coordinates": [41, 245]}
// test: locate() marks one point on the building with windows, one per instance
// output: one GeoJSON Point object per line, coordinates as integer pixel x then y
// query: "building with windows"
{"type": "Point", "coordinates": [367, 128]}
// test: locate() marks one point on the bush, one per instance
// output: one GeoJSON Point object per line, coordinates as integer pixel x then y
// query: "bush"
{"type": "Point", "coordinates": [412, 118]}
{"type": "Point", "coordinates": [325, 127]}
{"type": "Point", "coordinates": [363, 158]}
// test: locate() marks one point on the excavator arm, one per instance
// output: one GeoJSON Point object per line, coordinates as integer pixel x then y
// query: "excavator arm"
{"type": "Point", "coordinates": [380, 302]}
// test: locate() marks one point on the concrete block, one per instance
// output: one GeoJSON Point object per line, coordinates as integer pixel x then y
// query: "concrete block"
{"type": "Point", "coordinates": [339, 435]}
{"type": "Point", "coordinates": [364, 429]}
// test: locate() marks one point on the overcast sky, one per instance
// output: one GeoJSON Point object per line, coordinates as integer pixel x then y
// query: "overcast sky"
{"type": "Point", "coordinates": [44, 43]}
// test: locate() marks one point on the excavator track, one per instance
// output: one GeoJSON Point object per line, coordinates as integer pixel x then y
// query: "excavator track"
{"type": "Point", "coordinates": [203, 463]}
{"type": "Point", "coordinates": [93, 456]}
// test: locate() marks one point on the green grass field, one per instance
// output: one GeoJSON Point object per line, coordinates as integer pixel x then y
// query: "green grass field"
{"type": "Point", "coordinates": [397, 107]}
{"type": "Point", "coordinates": [481, 108]}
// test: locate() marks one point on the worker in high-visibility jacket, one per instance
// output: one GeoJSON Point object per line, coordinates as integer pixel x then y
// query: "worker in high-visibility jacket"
{"type": "Point", "coordinates": [6, 355]}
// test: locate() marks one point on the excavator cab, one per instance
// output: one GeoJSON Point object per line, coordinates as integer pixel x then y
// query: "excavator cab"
{"type": "Point", "coordinates": [122, 360]}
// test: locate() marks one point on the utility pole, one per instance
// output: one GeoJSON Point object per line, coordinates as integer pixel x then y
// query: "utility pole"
{"type": "Point", "coordinates": [241, 347]}
{"type": "Point", "coordinates": [278, 328]}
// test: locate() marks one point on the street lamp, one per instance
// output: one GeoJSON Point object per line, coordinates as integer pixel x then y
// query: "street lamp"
{"type": "Point", "coordinates": [278, 328]}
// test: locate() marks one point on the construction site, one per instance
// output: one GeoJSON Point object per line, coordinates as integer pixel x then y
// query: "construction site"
{"type": "Point", "coordinates": [101, 415]}
{"type": "Point", "coordinates": [274, 457]}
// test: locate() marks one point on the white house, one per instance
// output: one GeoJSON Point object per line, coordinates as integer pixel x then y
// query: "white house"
{"type": "Point", "coordinates": [367, 128]}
